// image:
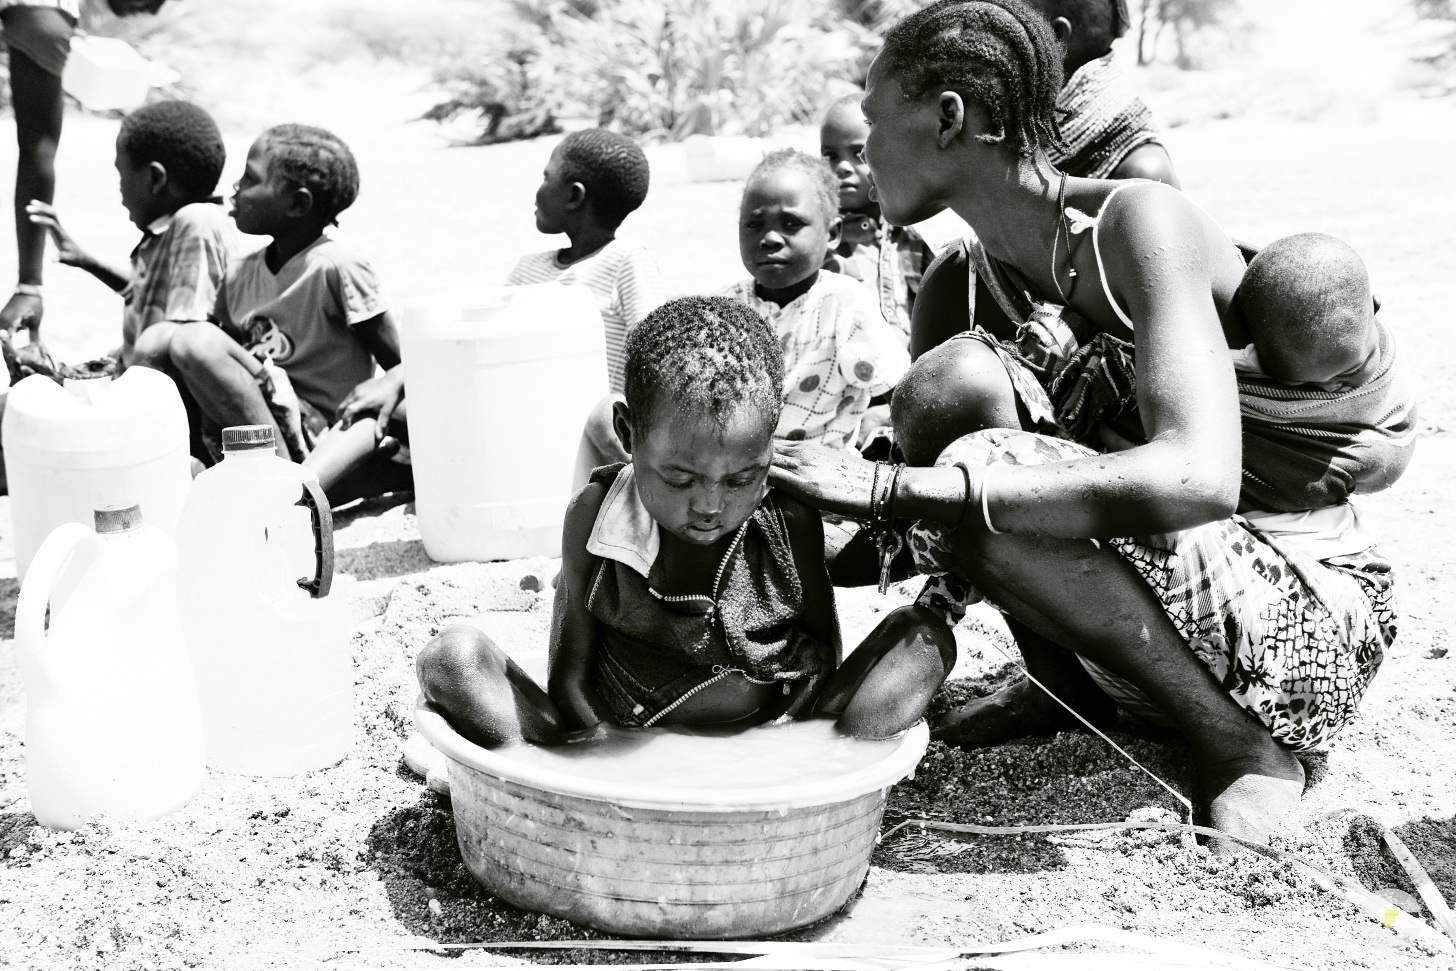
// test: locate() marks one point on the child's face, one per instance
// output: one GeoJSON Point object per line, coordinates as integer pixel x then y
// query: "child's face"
{"type": "Point", "coordinates": [263, 205]}
{"type": "Point", "coordinates": [139, 193]}
{"type": "Point", "coordinates": [783, 231]}
{"type": "Point", "coordinates": [842, 142]}
{"type": "Point", "coordinates": [554, 198]}
{"type": "Point", "coordinates": [700, 482]}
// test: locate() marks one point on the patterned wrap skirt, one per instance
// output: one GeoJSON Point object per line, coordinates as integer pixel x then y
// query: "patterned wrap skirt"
{"type": "Point", "coordinates": [1294, 640]}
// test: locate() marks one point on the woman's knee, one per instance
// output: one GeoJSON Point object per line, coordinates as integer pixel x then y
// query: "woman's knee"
{"type": "Point", "coordinates": [958, 388]}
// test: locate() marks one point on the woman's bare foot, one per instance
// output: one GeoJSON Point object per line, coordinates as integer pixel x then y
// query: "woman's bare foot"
{"type": "Point", "coordinates": [1016, 711]}
{"type": "Point", "coordinates": [1252, 796]}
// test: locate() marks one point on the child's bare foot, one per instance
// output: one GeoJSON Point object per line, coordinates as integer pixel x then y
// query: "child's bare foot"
{"type": "Point", "coordinates": [1251, 796]}
{"type": "Point", "coordinates": [1016, 711]}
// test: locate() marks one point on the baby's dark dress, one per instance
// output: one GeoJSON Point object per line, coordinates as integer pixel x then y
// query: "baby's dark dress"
{"type": "Point", "coordinates": [655, 652]}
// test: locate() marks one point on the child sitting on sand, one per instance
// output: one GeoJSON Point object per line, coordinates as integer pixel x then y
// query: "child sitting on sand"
{"type": "Point", "coordinates": [169, 156]}
{"type": "Point", "coordinates": [690, 593]}
{"type": "Point", "coordinates": [593, 181]}
{"type": "Point", "coordinates": [300, 322]}
{"type": "Point", "coordinates": [839, 353]}
{"type": "Point", "coordinates": [891, 260]}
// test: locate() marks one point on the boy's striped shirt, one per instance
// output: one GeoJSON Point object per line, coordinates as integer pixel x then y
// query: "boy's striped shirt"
{"type": "Point", "coordinates": [625, 280]}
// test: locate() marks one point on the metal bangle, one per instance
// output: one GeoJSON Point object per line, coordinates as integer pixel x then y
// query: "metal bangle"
{"type": "Point", "coordinates": [29, 289]}
{"type": "Point", "coordinates": [986, 502]}
{"type": "Point", "coordinates": [890, 500]}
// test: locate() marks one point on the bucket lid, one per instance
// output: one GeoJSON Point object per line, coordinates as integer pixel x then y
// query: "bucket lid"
{"type": "Point", "coordinates": [118, 518]}
{"type": "Point", "coordinates": [246, 438]}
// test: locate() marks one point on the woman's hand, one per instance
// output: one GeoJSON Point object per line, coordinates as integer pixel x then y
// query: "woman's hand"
{"type": "Point", "coordinates": [829, 479]}
{"type": "Point", "coordinates": [377, 398]}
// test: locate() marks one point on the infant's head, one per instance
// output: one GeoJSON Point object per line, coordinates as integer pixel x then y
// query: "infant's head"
{"type": "Point", "coordinates": [1306, 300]}
{"type": "Point", "coordinates": [704, 387]}
{"type": "Point", "coordinates": [788, 220]}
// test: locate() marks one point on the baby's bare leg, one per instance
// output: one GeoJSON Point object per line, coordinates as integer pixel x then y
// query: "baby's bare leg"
{"type": "Point", "coordinates": [886, 683]}
{"type": "Point", "coordinates": [484, 695]}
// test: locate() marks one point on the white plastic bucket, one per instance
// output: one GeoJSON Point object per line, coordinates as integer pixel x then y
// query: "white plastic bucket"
{"type": "Point", "coordinates": [500, 385]}
{"type": "Point", "coordinates": [106, 74]}
{"type": "Point", "coordinates": [72, 450]}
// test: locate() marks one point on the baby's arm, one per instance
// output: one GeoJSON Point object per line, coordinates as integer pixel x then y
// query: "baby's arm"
{"type": "Point", "coordinates": [574, 630]}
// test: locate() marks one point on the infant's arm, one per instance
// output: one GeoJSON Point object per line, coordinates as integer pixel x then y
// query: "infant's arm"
{"type": "Point", "coordinates": [574, 630]}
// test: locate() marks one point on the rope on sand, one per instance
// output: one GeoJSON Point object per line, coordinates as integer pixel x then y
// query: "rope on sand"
{"type": "Point", "coordinates": [1369, 904]}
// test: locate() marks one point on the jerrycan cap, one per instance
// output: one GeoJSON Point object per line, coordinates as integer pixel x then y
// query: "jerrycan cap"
{"type": "Point", "coordinates": [118, 518]}
{"type": "Point", "coordinates": [247, 438]}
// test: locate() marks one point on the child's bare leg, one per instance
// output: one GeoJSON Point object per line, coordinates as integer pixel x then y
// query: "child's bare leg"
{"type": "Point", "coordinates": [599, 444]}
{"type": "Point", "coordinates": [152, 348]}
{"type": "Point", "coordinates": [886, 683]}
{"type": "Point", "coordinates": [484, 695]}
{"type": "Point", "coordinates": [222, 377]}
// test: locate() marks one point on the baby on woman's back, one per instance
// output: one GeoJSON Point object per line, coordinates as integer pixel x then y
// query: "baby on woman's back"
{"type": "Point", "coordinates": [1328, 408]}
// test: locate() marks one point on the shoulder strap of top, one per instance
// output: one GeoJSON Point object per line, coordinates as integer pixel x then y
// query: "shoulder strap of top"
{"type": "Point", "coordinates": [1097, 250]}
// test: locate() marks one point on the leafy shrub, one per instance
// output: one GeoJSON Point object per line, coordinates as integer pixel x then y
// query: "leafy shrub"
{"type": "Point", "coordinates": [663, 69]}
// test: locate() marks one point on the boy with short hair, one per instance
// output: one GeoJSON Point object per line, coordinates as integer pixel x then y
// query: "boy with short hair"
{"type": "Point", "coordinates": [594, 180]}
{"type": "Point", "coordinates": [839, 352]}
{"type": "Point", "coordinates": [169, 156]}
{"type": "Point", "coordinates": [690, 593]}
{"type": "Point", "coordinates": [299, 323]}
{"type": "Point", "coordinates": [890, 260]}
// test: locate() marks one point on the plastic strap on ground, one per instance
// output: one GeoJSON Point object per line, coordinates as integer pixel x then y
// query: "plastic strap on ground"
{"type": "Point", "coordinates": [1373, 906]}
{"type": "Point", "coordinates": [1424, 885]}
{"type": "Point", "coordinates": [815, 956]}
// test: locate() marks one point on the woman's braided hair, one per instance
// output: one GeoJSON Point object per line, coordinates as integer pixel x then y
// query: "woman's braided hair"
{"type": "Point", "coordinates": [999, 53]}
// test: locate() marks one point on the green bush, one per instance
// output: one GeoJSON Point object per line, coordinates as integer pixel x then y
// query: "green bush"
{"type": "Point", "coordinates": [663, 69]}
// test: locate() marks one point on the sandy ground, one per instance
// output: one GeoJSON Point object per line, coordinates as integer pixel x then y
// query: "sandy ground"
{"type": "Point", "coordinates": [259, 873]}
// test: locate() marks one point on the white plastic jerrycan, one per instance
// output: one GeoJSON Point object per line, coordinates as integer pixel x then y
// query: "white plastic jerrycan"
{"type": "Point", "coordinates": [112, 722]}
{"type": "Point", "coordinates": [275, 670]}
{"type": "Point", "coordinates": [500, 386]}
{"type": "Point", "coordinates": [93, 443]}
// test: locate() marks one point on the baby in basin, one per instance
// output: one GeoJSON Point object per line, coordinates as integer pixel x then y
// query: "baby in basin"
{"type": "Point", "coordinates": [690, 592]}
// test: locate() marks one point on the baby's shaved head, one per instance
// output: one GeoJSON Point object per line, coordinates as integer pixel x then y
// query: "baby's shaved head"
{"type": "Point", "coordinates": [1307, 302]}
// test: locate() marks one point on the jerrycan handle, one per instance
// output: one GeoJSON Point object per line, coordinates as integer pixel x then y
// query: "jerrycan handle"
{"type": "Point", "coordinates": [45, 570]}
{"type": "Point", "coordinates": [317, 504]}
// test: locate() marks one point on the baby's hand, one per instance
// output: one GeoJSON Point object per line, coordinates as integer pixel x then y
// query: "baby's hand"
{"type": "Point", "coordinates": [44, 214]}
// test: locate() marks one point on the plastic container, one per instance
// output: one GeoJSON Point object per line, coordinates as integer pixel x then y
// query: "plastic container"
{"type": "Point", "coordinates": [275, 670]}
{"type": "Point", "coordinates": [106, 74]}
{"type": "Point", "coordinates": [500, 386]}
{"type": "Point", "coordinates": [112, 719]}
{"type": "Point", "coordinates": [93, 443]}
{"type": "Point", "coordinates": [664, 861]}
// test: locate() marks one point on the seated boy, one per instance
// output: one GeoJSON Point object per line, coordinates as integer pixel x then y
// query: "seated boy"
{"type": "Point", "coordinates": [594, 180]}
{"type": "Point", "coordinates": [169, 156]}
{"type": "Point", "coordinates": [300, 323]}
{"type": "Point", "coordinates": [690, 593]}
{"type": "Point", "coordinates": [839, 353]}
{"type": "Point", "coordinates": [891, 260]}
